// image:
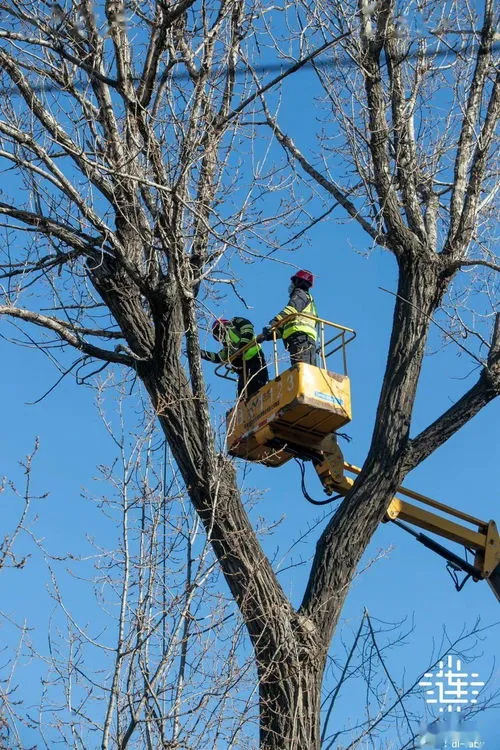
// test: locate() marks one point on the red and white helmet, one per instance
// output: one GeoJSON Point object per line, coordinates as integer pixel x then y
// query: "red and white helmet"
{"type": "Point", "coordinates": [304, 276]}
{"type": "Point", "coordinates": [218, 328]}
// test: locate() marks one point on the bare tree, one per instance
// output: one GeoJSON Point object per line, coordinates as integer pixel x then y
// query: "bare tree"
{"type": "Point", "coordinates": [17, 513]}
{"type": "Point", "coordinates": [390, 714]}
{"type": "Point", "coordinates": [127, 128]}
{"type": "Point", "coordinates": [156, 662]}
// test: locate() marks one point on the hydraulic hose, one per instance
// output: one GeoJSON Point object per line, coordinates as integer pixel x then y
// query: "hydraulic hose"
{"type": "Point", "coordinates": [305, 492]}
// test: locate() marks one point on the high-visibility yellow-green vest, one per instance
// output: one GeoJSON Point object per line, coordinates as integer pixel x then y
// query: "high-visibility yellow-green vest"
{"type": "Point", "coordinates": [240, 334]}
{"type": "Point", "coordinates": [300, 324]}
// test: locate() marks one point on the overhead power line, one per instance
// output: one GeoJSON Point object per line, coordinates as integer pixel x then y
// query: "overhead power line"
{"type": "Point", "coordinates": [277, 67]}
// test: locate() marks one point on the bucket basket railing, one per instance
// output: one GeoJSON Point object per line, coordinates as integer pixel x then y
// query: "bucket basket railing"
{"type": "Point", "coordinates": [340, 337]}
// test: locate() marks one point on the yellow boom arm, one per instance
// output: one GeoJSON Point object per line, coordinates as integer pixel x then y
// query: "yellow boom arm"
{"type": "Point", "coordinates": [483, 540]}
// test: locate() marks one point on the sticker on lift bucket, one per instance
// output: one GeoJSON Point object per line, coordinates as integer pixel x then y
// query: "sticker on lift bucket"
{"type": "Point", "coordinates": [329, 397]}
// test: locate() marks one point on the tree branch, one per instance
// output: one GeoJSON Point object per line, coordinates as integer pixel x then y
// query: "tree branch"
{"type": "Point", "coordinates": [474, 262]}
{"type": "Point", "coordinates": [46, 119]}
{"type": "Point", "coordinates": [67, 334]}
{"type": "Point", "coordinates": [80, 241]}
{"type": "Point", "coordinates": [339, 195]}
{"type": "Point", "coordinates": [55, 175]}
{"type": "Point", "coordinates": [403, 239]}
{"type": "Point", "coordinates": [467, 223]}
{"type": "Point", "coordinates": [405, 147]}
{"type": "Point", "coordinates": [167, 15]}
{"type": "Point", "coordinates": [292, 69]}
{"type": "Point", "coordinates": [44, 264]}
{"type": "Point", "coordinates": [482, 392]}
{"type": "Point", "coordinates": [44, 44]}
{"type": "Point", "coordinates": [468, 133]}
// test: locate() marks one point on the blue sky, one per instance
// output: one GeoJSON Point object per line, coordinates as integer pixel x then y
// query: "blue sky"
{"type": "Point", "coordinates": [407, 582]}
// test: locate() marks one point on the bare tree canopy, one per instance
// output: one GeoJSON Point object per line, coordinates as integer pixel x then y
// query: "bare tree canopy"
{"type": "Point", "coordinates": [145, 150]}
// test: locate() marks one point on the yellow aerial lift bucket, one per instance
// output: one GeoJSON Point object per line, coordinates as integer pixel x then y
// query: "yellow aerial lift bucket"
{"type": "Point", "coordinates": [299, 408]}
{"type": "Point", "coordinates": [293, 414]}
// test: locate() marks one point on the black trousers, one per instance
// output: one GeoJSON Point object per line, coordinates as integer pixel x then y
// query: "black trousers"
{"type": "Point", "coordinates": [254, 371]}
{"type": "Point", "coordinates": [301, 348]}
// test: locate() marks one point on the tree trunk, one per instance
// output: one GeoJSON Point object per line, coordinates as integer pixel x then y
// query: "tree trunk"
{"type": "Point", "coordinates": [290, 702]}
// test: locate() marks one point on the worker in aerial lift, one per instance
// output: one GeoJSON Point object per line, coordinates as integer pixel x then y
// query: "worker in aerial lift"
{"type": "Point", "coordinates": [250, 367]}
{"type": "Point", "coordinates": [299, 333]}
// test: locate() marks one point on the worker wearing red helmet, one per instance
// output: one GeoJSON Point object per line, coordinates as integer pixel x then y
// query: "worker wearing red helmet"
{"type": "Point", "coordinates": [251, 366]}
{"type": "Point", "coordinates": [298, 333]}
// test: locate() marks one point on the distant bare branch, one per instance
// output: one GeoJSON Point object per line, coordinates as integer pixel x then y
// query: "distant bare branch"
{"type": "Point", "coordinates": [482, 392]}
{"type": "Point", "coordinates": [68, 334]}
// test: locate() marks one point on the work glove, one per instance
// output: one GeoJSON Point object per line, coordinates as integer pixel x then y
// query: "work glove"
{"type": "Point", "coordinates": [267, 334]}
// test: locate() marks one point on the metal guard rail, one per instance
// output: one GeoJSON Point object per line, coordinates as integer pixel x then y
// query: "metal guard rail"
{"type": "Point", "coordinates": [345, 334]}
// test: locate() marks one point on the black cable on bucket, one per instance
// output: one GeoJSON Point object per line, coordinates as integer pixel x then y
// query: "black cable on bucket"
{"type": "Point", "coordinates": [305, 492]}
